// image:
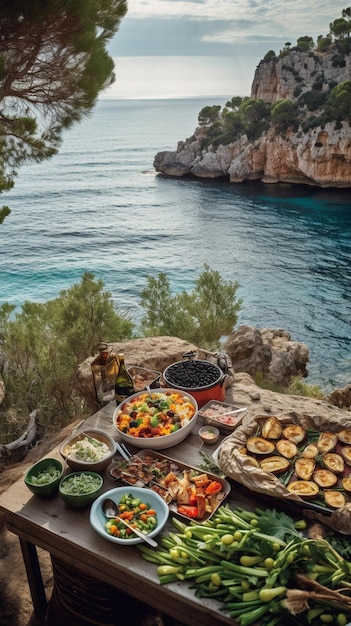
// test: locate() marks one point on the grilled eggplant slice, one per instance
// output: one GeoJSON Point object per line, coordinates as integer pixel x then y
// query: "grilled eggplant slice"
{"type": "Point", "coordinates": [304, 468]}
{"type": "Point", "coordinates": [259, 445]}
{"type": "Point", "coordinates": [272, 428]}
{"type": "Point", "coordinates": [304, 488]}
{"type": "Point", "coordinates": [286, 448]}
{"type": "Point", "coordinates": [310, 452]}
{"type": "Point", "coordinates": [346, 483]}
{"type": "Point", "coordinates": [325, 478]}
{"type": "Point", "coordinates": [275, 464]}
{"type": "Point", "coordinates": [334, 462]}
{"type": "Point", "coordinates": [334, 499]}
{"type": "Point", "coordinates": [346, 454]}
{"type": "Point", "coordinates": [345, 436]}
{"type": "Point", "coordinates": [294, 432]}
{"type": "Point", "coordinates": [327, 442]}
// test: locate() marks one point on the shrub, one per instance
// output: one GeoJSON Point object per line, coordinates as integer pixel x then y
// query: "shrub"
{"type": "Point", "coordinates": [45, 343]}
{"type": "Point", "coordinates": [201, 317]}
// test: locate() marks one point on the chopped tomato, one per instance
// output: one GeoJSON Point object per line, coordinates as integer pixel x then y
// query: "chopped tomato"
{"type": "Point", "coordinates": [213, 488]}
{"type": "Point", "coordinates": [189, 511]}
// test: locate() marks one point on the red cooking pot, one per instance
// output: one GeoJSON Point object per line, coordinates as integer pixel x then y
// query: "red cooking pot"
{"type": "Point", "coordinates": [202, 379]}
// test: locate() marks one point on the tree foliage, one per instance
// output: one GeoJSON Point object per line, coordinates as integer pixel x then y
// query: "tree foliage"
{"type": "Point", "coordinates": [283, 113]}
{"type": "Point", "coordinates": [201, 317]}
{"type": "Point", "coordinates": [53, 64]}
{"type": "Point", "coordinates": [340, 101]}
{"type": "Point", "coordinates": [209, 114]}
{"type": "Point", "coordinates": [45, 342]}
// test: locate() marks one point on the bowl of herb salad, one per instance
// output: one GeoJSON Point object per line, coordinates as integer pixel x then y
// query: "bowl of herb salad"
{"type": "Point", "coordinates": [43, 478]}
{"type": "Point", "coordinates": [79, 489]}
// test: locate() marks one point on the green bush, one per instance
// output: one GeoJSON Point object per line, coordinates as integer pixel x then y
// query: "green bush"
{"type": "Point", "coordinates": [45, 342]}
{"type": "Point", "coordinates": [201, 317]}
{"type": "Point", "coordinates": [297, 387]}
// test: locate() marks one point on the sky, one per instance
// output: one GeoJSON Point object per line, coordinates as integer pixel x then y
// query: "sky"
{"type": "Point", "coordinates": [200, 48]}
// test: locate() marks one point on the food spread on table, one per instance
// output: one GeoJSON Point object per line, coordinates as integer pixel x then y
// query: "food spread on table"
{"type": "Point", "coordinates": [190, 492]}
{"type": "Point", "coordinates": [313, 464]}
{"type": "Point", "coordinates": [155, 414]}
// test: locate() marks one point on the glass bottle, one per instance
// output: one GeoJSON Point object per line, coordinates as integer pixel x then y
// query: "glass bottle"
{"type": "Point", "coordinates": [104, 369]}
{"type": "Point", "coordinates": [124, 385]}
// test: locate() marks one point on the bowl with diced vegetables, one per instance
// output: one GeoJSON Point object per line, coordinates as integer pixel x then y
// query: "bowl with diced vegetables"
{"type": "Point", "coordinates": [137, 505]}
{"type": "Point", "coordinates": [79, 489]}
{"type": "Point", "coordinates": [89, 450]}
{"type": "Point", "coordinates": [43, 478]}
{"type": "Point", "coordinates": [156, 420]}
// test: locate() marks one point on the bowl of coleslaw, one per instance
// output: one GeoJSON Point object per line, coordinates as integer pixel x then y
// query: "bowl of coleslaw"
{"type": "Point", "coordinates": [156, 420]}
{"type": "Point", "coordinates": [90, 450]}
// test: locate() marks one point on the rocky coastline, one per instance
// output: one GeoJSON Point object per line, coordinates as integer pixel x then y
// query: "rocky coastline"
{"type": "Point", "coordinates": [319, 156]}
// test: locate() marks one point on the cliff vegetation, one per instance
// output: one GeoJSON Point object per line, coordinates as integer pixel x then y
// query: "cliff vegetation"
{"type": "Point", "coordinates": [295, 127]}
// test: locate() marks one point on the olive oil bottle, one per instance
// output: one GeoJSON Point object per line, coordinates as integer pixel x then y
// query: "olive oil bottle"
{"type": "Point", "coordinates": [124, 385]}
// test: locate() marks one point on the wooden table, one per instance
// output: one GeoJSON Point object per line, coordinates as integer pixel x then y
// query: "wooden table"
{"type": "Point", "coordinates": [67, 535]}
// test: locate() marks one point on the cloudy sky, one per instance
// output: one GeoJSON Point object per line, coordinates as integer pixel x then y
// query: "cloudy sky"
{"type": "Point", "coordinates": [178, 48]}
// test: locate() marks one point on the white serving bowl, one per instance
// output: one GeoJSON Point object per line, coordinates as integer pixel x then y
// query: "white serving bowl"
{"type": "Point", "coordinates": [92, 466]}
{"type": "Point", "coordinates": [98, 519]}
{"type": "Point", "coordinates": [159, 442]}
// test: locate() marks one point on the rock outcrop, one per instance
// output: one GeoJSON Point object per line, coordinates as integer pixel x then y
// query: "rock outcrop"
{"type": "Point", "coordinates": [319, 155]}
{"type": "Point", "coordinates": [270, 352]}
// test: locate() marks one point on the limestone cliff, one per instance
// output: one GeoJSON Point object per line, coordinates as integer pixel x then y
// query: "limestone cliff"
{"type": "Point", "coordinates": [303, 152]}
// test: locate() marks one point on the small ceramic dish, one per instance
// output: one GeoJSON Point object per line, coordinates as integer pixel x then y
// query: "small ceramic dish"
{"type": "Point", "coordinates": [43, 478]}
{"type": "Point", "coordinates": [79, 489]}
{"type": "Point", "coordinates": [226, 417]}
{"type": "Point", "coordinates": [79, 456]}
{"type": "Point", "coordinates": [209, 434]}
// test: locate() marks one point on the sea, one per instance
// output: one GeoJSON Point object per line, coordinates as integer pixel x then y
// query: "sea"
{"type": "Point", "coordinates": [99, 206]}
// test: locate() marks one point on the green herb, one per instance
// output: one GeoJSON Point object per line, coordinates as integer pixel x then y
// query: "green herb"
{"type": "Point", "coordinates": [209, 465]}
{"type": "Point", "coordinates": [80, 484]}
{"type": "Point", "coordinates": [44, 477]}
{"type": "Point", "coordinates": [278, 524]}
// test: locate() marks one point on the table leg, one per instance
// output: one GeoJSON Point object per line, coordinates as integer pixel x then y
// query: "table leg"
{"type": "Point", "coordinates": [35, 579]}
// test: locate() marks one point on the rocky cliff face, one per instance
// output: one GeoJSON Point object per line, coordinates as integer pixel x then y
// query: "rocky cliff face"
{"type": "Point", "coordinates": [319, 157]}
{"type": "Point", "coordinates": [279, 78]}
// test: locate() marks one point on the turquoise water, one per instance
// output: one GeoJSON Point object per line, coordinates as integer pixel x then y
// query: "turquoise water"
{"type": "Point", "coordinates": [99, 206]}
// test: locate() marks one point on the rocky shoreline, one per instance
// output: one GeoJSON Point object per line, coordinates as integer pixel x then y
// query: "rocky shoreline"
{"type": "Point", "coordinates": [318, 156]}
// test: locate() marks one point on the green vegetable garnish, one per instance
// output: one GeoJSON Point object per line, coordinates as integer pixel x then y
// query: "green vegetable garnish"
{"type": "Point", "coordinates": [45, 477]}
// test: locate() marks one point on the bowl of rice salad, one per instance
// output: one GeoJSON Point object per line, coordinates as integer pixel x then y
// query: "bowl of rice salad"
{"type": "Point", "coordinates": [156, 420]}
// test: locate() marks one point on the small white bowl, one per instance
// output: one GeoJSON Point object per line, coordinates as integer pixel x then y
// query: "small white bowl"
{"type": "Point", "coordinates": [98, 519]}
{"type": "Point", "coordinates": [209, 434]}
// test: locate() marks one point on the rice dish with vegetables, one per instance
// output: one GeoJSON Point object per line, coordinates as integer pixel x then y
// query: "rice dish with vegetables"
{"type": "Point", "coordinates": [88, 450]}
{"type": "Point", "coordinates": [155, 415]}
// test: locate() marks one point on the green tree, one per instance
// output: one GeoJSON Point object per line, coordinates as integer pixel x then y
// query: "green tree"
{"type": "Point", "coordinates": [340, 101]}
{"type": "Point", "coordinates": [209, 115]}
{"type": "Point", "coordinates": [305, 43]}
{"type": "Point", "coordinates": [283, 113]}
{"type": "Point", "coordinates": [45, 342]}
{"type": "Point", "coordinates": [201, 317]}
{"type": "Point", "coordinates": [234, 103]}
{"type": "Point", "coordinates": [340, 27]}
{"type": "Point", "coordinates": [53, 65]}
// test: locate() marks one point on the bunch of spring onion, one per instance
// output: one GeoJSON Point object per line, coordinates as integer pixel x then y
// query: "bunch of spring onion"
{"type": "Point", "coordinates": [260, 566]}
